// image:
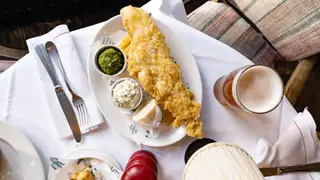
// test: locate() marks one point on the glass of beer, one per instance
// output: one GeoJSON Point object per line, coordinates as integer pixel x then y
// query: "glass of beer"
{"type": "Point", "coordinates": [255, 89]}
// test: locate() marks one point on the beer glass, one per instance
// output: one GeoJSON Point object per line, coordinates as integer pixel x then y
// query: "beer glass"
{"type": "Point", "coordinates": [255, 89]}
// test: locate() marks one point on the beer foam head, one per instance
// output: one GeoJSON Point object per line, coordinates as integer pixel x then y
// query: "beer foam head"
{"type": "Point", "coordinates": [259, 89]}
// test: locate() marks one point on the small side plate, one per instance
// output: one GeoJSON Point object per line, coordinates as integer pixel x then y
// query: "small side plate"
{"type": "Point", "coordinates": [19, 157]}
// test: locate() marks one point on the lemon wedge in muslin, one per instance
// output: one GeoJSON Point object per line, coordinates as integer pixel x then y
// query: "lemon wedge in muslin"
{"type": "Point", "coordinates": [148, 113]}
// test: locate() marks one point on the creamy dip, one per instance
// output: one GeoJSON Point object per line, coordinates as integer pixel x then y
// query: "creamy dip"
{"type": "Point", "coordinates": [126, 94]}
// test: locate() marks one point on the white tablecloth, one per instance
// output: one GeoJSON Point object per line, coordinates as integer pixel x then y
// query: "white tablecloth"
{"type": "Point", "coordinates": [22, 105]}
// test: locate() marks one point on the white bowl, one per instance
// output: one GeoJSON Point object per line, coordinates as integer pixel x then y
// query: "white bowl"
{"type": "Point", "coordinates": [123, 79]}
{"type": "Point", "coordinates": [99, 51]}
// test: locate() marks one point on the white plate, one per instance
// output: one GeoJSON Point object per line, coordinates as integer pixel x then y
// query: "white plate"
{"type": "Point", "coordinates": [99, 85]}
{"type": "Point", "coordinates": [19, 159]}
{"type": "Point", "coordinates": [94, 154]}
{"type": "Point", "coordinates": [103, 166]}
{"type": "Point", "coordinates": [89, 153]}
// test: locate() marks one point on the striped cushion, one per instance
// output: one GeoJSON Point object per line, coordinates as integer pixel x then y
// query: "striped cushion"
{"type": "Point", "coordinates": [222, 23]}
{"type": "Point", "coordinates": [292, 26]}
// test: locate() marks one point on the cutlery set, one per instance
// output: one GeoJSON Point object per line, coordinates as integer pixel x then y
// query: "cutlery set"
{"type": "Point", "coordinates": [49, 55]}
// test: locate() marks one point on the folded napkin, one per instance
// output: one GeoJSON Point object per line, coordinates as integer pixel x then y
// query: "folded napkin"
{"type": "Point", "coordinates": [297, 145]}
{"type": "Point", "coordinates": [76, 76]}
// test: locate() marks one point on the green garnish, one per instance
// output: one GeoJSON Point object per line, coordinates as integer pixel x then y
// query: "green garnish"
{"type": "Point", "coordinates": [111, 61]}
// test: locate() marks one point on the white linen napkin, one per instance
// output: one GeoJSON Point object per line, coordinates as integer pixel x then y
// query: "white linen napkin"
{"type": "Point", "coordinates": [76, 76]}
{"type": "Point", "coordinates": [297, 145]}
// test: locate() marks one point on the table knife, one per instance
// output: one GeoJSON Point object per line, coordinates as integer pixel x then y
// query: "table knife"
{"type": "Point", "coordinates": [62, 97]}
{"type": "Point", "coordinates": [298, 168]}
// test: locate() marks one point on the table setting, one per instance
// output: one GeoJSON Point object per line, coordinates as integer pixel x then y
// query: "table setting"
{"type": "Point", "coordinates": [61, 114]}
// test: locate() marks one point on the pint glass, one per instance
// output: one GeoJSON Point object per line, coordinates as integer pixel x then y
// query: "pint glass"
{"type": "Point", "coordinates": [255, 89]}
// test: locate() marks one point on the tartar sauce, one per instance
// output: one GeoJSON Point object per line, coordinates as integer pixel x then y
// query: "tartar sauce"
{"type": "Point", "coordinates": [126, 94]}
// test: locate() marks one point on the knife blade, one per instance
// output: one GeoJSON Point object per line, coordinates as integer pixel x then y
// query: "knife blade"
{"type": "Point", "coordinates": [61, 95]}
{"type": "Point", "coordinates": [272, 171]}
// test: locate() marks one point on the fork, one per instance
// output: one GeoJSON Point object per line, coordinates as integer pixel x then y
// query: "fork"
{"type": "Point", "coordinates": [77, 101]}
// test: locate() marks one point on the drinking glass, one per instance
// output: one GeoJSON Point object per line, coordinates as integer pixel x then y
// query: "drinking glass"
{"type": "Point", "coordinates": [255, 89]}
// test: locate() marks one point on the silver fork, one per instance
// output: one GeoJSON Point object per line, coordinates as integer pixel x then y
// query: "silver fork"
{"type": "Point", "coordinates": [76, 100]}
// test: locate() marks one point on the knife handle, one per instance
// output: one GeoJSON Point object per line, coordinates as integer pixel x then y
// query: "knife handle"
{"type": "Point", "coordinates": [47, 63]}
{"type": "Point", "coordinates": [301, 168]}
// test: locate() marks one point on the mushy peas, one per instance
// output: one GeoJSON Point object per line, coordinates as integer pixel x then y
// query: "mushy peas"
{"type": "Point", "coordinates": [111, 61]}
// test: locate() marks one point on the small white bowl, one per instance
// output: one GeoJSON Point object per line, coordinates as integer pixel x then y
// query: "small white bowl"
{"type": "Point", "coordinates": [99, 51]}
{"type": "Point", "coordinates": [140, 88]}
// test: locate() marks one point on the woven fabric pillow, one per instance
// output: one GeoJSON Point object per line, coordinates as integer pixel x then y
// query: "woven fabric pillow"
{"type": "Point", "coordinates": [291, 26]}
{"type": "Point", "coordinates": [221, 22]}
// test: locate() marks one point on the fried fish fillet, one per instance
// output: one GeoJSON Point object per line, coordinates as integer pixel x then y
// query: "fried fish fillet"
{"type": "Point", "coordinates": [149, 61]}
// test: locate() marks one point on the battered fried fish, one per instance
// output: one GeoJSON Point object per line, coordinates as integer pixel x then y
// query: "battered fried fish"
{"type": "Point", "coordinates": [149, 61]}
